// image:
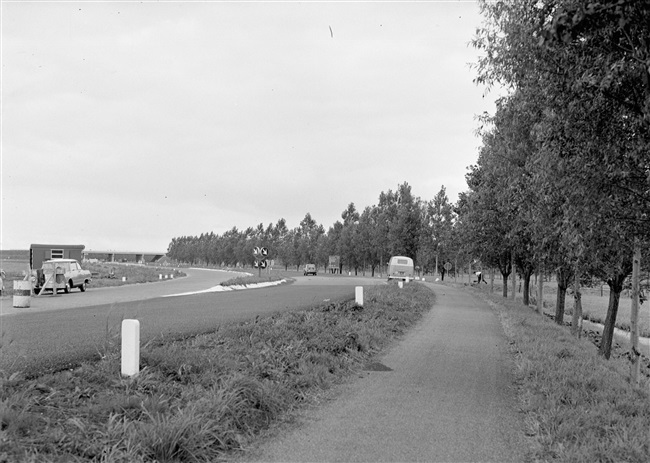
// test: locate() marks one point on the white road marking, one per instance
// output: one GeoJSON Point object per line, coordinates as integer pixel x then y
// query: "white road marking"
{"type": "Point", "coordinates": [219, 288]}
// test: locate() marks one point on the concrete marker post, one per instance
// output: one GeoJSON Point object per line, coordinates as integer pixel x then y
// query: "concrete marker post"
{"type": "Point", "coordinates": [130, 347]}
{"type": "Point", "coordinates": [358, 295]}
{"type": "Point", "coordinates": [400, 284]}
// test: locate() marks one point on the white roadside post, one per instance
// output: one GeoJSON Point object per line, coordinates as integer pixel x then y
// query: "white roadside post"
{"type": "Point", "coordinates": [358, 295]}
{"type": "Point", "coordinates": [130, 347]}
{"type": "Point", "coordinates": [400, 284]}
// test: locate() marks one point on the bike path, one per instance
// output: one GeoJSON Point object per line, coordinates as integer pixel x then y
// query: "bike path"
{"type": "Point", "coordinates": [449, 396]}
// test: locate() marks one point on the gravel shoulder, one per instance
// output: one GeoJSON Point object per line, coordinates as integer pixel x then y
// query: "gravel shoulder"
{"type": "Point", "coordinates": [446, 394]}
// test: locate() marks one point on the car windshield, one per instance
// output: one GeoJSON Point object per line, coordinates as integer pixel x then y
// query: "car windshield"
{"type": "Point", "coordinates": [50, 265]}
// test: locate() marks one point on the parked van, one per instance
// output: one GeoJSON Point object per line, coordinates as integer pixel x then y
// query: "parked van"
{"type": "Point", "coordinates": [310, 269]}
{"type": "Point", "coordinates": [400, 268]}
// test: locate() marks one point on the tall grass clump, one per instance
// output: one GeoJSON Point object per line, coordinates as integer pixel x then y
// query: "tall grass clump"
{"type": "Point", "coordinates": [579, 407]}
{"type": "Point", "coordinates": [200, 398]}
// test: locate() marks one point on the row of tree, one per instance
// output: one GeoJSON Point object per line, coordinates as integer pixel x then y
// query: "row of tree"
{"type": "Point", "coordinates": [562, 181]}
{"type": "Point", "coordinates": [400, 224]}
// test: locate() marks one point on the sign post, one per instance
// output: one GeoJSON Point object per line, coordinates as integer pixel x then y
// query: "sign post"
{"type": "Point", "coordinates": [447, 268]}
{"type": "Point", "coordinates": [260, 254]}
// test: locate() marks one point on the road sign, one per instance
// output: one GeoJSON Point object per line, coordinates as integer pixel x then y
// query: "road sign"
{"type": "Point", "coordinates": [260, 262]}
{"type": "Point", "coordinates": [448, 266]}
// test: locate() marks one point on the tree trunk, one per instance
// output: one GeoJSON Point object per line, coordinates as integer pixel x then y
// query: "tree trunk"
{"type": "Point", "coordinates": [608, 330]}
{"type": "Point", "coordinates": [635, 366]}
{"type": "Point", "coordinates": [559, 305]}
{"type": "Point", "coordinates": [564, 274]}
{"type": "Point", "coordinates": [576, 321]}
{"type": "Point", "coordinates": [505, 268]}
{"type": "Point", "coordinates": [492, 280]}
{"type": "Point", "coordinates": [514, 277]}
{"type": "Point", "coordinates": [435, 275]}
{"type": "Point", "coordinates": [540, 290]}
{"type": "Point", "coordinates": [528, 272]}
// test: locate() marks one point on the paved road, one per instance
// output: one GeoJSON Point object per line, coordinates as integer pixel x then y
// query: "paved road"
{"type": "Point", "coordinates": [197, 279]}
{"type": "Point", "coordinates": [60, 331]}
{"type": "Point", "coordinates": [449, 397]}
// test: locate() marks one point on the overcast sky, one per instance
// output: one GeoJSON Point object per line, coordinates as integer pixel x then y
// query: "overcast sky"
{"type": "Point", "coordinates": [125, 124]}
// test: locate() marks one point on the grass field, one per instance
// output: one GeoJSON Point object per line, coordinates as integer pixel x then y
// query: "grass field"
{"type": "Point", "coordinates": [104, 274]}
{"type": "Point", "coordinates": [594, 303]}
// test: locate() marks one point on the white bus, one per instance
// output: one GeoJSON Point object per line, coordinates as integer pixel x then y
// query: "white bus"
{"type": "Point", "coordinates": [400, 268]}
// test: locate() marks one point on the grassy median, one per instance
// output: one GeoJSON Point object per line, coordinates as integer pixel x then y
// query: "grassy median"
{"type": "Point", "coordinates": [203, 397]}
{"type": "Point", "coordinates": [579, 407]}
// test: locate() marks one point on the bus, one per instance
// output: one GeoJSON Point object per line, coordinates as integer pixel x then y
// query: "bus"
{"type": "Point", "coordinates": [400, 268]}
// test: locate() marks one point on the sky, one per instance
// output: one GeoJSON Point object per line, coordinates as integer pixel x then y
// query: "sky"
{"type": "Point", "coordinates": [126, 124]}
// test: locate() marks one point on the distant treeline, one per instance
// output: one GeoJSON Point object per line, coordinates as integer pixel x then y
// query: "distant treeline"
{"type": "Point", "coordinates": [400, 224]}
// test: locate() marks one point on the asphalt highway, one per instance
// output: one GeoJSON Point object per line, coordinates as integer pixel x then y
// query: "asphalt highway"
{"type": "Point", "coordinates": [60, 331]}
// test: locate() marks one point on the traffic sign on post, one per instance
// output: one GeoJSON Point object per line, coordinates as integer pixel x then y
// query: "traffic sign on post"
{"type": "Point", "coordinates": [260, 253]}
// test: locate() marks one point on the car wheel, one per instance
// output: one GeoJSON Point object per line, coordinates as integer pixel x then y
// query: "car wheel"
{"type": "Point", "coordinates": [68, 287]}
{"type": "Point", "coordinates": [82, 288]}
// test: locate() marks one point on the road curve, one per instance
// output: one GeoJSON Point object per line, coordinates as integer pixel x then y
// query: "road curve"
{"type": "Point", "coordinates": [197, 279]}
{"type": "Point", "coordinates": [51, 337]}
{"type": "Point", "coordinates": [448, 397]}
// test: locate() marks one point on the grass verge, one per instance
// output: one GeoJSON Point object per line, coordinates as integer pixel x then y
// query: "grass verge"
{"type": "Point", "coordinates": [202, 397]}
{"type": "Point", "coordinates": [579, 407]}
{"type": "Point", "coordinates": [107, 274]}
{"type": "Point", "coordinates": [594, 304]}
{"type": "Point", "coordinates": [250, 280]}
{"type": "Point", "coordinates": [104, 274]}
